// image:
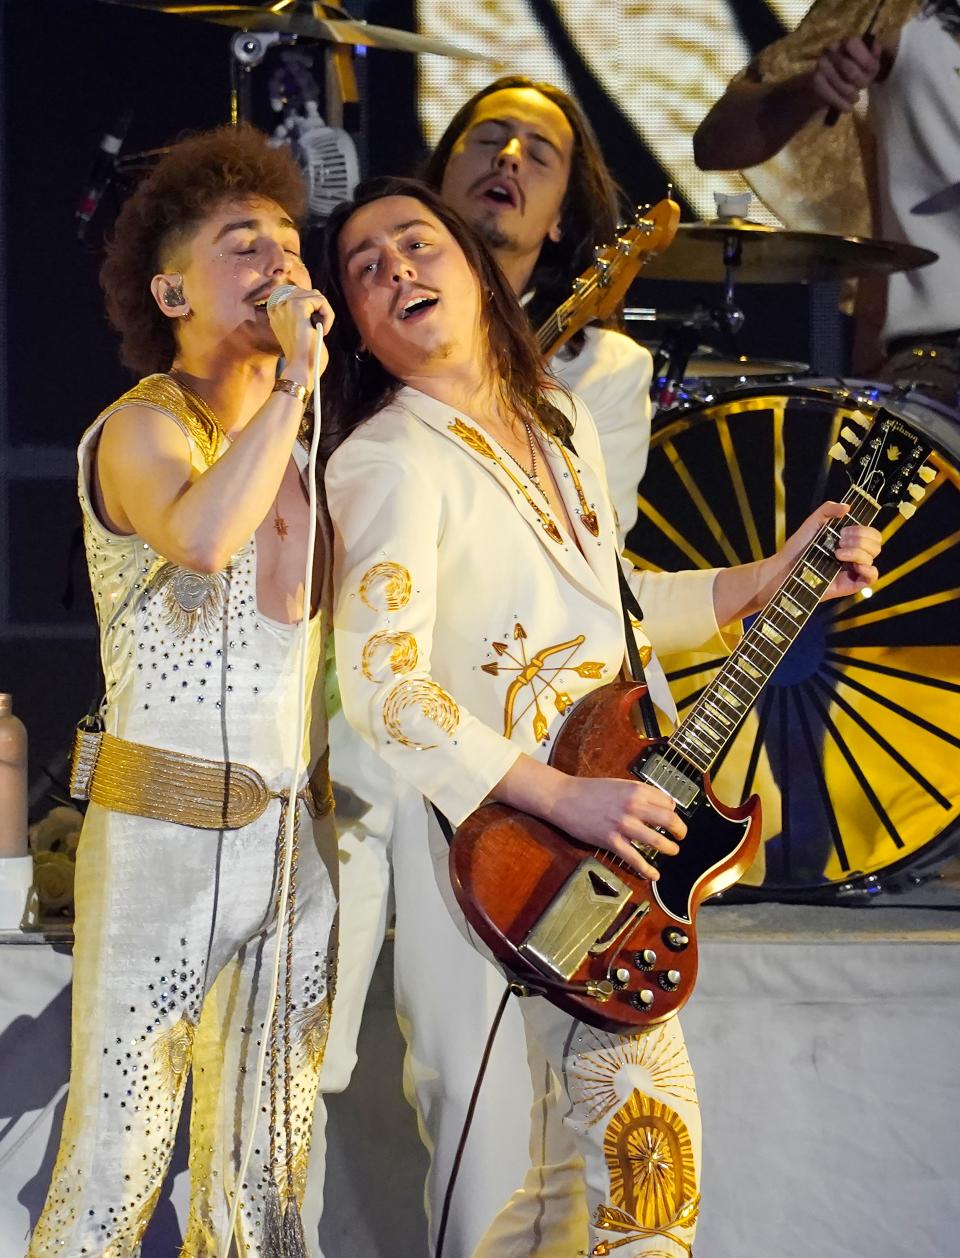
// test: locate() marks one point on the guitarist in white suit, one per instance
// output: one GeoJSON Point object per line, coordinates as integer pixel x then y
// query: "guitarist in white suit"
{"type": "Point", "coordinates": [521, 163]}
{"type": "Point", "coordinates": [475, 536]}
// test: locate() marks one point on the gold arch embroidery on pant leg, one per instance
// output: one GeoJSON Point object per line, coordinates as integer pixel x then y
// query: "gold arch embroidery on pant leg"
{"type": "Point", "coordinates": [653, 1178]}
{"type": "Point", "coordinates": [537, 675]}
{"type": "Point", "coordinates": [173, 1052]}
{"type": "Point", "coordinates": [191, 601]}
{"type": "Point", "coordinates": [401, 654]}
{"type": "Point", "coordinates": [386, 587]}
{"type": "Point", "coordinates": [313, 1025]}
{"type": "Point", "coordinates": [428, 698]}
{"type": "Point", "coordinates": [602, 1056]}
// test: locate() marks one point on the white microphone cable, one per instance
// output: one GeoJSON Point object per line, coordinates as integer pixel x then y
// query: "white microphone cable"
{"type": "Point", "coordinates": [278, 295]}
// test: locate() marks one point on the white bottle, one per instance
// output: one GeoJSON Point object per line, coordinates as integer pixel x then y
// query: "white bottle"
{"type": "Point", "coordinates": [16, 866]}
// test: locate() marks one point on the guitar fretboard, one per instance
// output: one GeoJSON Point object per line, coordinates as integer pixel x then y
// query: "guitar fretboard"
{"type": "Point", "coordinates": [715, 716]}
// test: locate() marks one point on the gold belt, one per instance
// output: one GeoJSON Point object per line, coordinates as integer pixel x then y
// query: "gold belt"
{"type": "Point", "coordinates": [170, 786]}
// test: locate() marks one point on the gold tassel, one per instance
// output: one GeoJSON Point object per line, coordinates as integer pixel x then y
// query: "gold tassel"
{"type": "Point", "coordinates": [272, 1221]}
{"type": "Point", "coordinates": [294, 1241]}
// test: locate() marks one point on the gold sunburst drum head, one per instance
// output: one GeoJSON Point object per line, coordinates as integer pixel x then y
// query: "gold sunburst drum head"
{"type": "Point", "coordinates": [853, 744]}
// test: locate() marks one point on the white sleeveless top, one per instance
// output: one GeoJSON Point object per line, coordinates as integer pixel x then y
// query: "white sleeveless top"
{"type": "Point", "coordinates": [916, 118]}
{"type": "Point", "coordinates": [190, 662]}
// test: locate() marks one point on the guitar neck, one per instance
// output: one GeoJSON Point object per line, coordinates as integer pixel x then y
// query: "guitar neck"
{"type": "Point", "coordinates": [716, 715]}
{"type": "Point", "coordinates": [552, 333]}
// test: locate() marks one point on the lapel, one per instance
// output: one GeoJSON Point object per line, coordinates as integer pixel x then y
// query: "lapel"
{"type": "Point", "coordinates": [477, 444]}
{"type": "Point", "coordinates": [588, 507]}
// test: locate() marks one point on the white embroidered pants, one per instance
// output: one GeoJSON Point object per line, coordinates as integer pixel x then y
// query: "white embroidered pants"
{"type": "Point", "coordinates": [613, 1132]}
{"type": "Point", "coordinates": [174, 947]}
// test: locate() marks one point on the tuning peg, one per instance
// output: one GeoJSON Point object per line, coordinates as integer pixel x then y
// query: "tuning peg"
{"type": "Point", "coordinates": [848, 434]}
{"type": "Point", "coordinates": [927, 474]}
{"type": "Point", "coordinates": [906, 509]}
{"type": "Point", "coordinates": [915, 491]}
{"type": "Point", "coordinates": [839, 453]}
{"type": "Point", "coordinates": [859, 418]}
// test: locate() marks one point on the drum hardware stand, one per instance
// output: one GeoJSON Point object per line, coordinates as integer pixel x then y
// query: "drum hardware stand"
{"type": "Point", "coordinates": [247, 50]}
{"type": "Point", "coordinates": [682, 339]}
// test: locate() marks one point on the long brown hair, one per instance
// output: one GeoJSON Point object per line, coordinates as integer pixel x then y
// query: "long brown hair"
{"type": "Point", "coordinates": [591, 207]}
{"type": "Point", "coordinates": [355, 386]}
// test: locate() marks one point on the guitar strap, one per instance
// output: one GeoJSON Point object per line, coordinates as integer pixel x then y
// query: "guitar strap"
{"type": "Point", "coordinates": [630, 607]}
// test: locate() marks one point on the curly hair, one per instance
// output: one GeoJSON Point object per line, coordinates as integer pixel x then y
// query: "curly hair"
{"type": "Point", "coordinates": [355, 388]}
{"type": "Point", "coordinates": [591, 206]}
{"type": "Point", "coordinates": [190, 180]}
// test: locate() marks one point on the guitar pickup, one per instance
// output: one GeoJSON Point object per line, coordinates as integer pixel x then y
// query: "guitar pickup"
{"type": "Point", "coordinates": [668, 777]}
{"type": "Point", "coordinates": [589, 912]}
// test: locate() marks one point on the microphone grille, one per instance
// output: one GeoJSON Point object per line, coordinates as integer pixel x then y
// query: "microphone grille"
{"type": "Point", "coordinates": [280, 294]}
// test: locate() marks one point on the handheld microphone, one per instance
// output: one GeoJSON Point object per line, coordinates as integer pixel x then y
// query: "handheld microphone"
{"type": "Point", "coordinates": [288, 290]}
{"type": "Point", "coordinates": [102, 172]}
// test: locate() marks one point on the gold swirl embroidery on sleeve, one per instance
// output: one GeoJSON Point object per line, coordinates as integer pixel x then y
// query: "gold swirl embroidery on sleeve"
{"type": "Point", "coordinates": [430, 699]}
{"type": "Point", "coordinates": [401, 656]}
{"type": "Point", "coordinates": [386, 587]}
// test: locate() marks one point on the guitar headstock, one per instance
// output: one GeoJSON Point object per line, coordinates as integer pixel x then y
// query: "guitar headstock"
{"type": "Point", "coordinates": [598, 292]}
{"type": "Point", "coordinates": [883, 461]}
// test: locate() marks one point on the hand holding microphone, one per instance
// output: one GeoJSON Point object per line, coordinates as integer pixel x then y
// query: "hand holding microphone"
{"type": "Point", "coordinates": [295, 315]}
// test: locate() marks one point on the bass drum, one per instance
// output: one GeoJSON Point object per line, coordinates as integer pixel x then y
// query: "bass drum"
{"type": "Point", "coordinates": [853, 745]}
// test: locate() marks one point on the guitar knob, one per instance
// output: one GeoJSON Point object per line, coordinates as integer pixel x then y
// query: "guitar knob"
{"type": "Point", "coordinates": [669, 980]}
{"type": "Point", "coordinates": [645, 960]}
{"type": "Point", "coordinates": [675, 939]}
{"type": "Point", "coordinates": [620, 976]}
{"type": "Point", "coordinates": [642, 999]}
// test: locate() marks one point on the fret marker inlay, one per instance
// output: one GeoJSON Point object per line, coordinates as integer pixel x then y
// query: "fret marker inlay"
{"type": "Point", "coordinates": [813, 579]}
{"type": "Point", "coordinates": [790, 607]}
{"type": "Point", "coordinates": [729, 698]}
{"type": "Point", "coordinates": [748, 668]}
{"type": "Point", "coordinates": [772, 634]}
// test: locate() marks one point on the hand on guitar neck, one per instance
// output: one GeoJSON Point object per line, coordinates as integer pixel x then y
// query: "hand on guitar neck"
{"type": "Point", "coordinates": [621, 816]}
{"type": "Point", "coordinates": [743, 590]}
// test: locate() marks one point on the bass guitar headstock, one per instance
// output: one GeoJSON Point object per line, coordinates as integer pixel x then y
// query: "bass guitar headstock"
{"type": "Point", "coordinates": [598, 292]}
{"type": "Point", "coordinates": [883, 461]}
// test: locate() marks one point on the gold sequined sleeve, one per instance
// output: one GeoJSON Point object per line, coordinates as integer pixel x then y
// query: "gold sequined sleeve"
{"type": "Point", "coordinates": [386, 509]}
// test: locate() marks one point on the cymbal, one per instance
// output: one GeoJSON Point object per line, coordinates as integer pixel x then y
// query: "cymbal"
{"type": "Point", "coordinates": [303, 22]}
{"type": "Point", "coordinates": [774, 255]}
{"type": "Point", "coordinates": [706, 363]}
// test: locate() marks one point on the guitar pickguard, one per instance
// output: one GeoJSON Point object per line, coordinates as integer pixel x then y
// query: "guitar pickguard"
{"type": "Point", "coordinates": [711, 839]}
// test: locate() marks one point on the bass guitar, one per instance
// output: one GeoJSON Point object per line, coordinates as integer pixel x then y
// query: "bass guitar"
{"type": "Point", "coordinates": [603, 943]}
{"type": "Point", "coordinates": [598, 292]}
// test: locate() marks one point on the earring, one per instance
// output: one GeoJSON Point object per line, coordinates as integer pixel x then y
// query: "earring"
{"type": "Point", "coordinates": [173, 296]}
{"type": "Point", "coordinates": [361, 354]}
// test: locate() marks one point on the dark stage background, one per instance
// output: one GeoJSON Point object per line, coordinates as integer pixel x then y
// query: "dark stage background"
{"type": "Point", "coordinates": [69, 68]}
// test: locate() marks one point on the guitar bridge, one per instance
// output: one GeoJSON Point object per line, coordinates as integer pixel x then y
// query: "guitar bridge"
{"type": "Point", "coordinates": [589, 912]}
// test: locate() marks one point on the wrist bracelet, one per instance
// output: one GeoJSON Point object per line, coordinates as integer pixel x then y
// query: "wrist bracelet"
{"type": "Point", "coordinates": [299, 391]}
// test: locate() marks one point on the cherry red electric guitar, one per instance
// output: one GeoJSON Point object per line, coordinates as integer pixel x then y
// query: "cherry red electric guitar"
{"type": "Point", "coordinates": [608, 946]}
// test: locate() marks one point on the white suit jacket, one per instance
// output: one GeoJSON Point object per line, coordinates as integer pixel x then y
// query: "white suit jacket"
{"type": "Point", "coordinates": [467, 620]}
{"type": "Point", "coordinates": [612, 375]}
